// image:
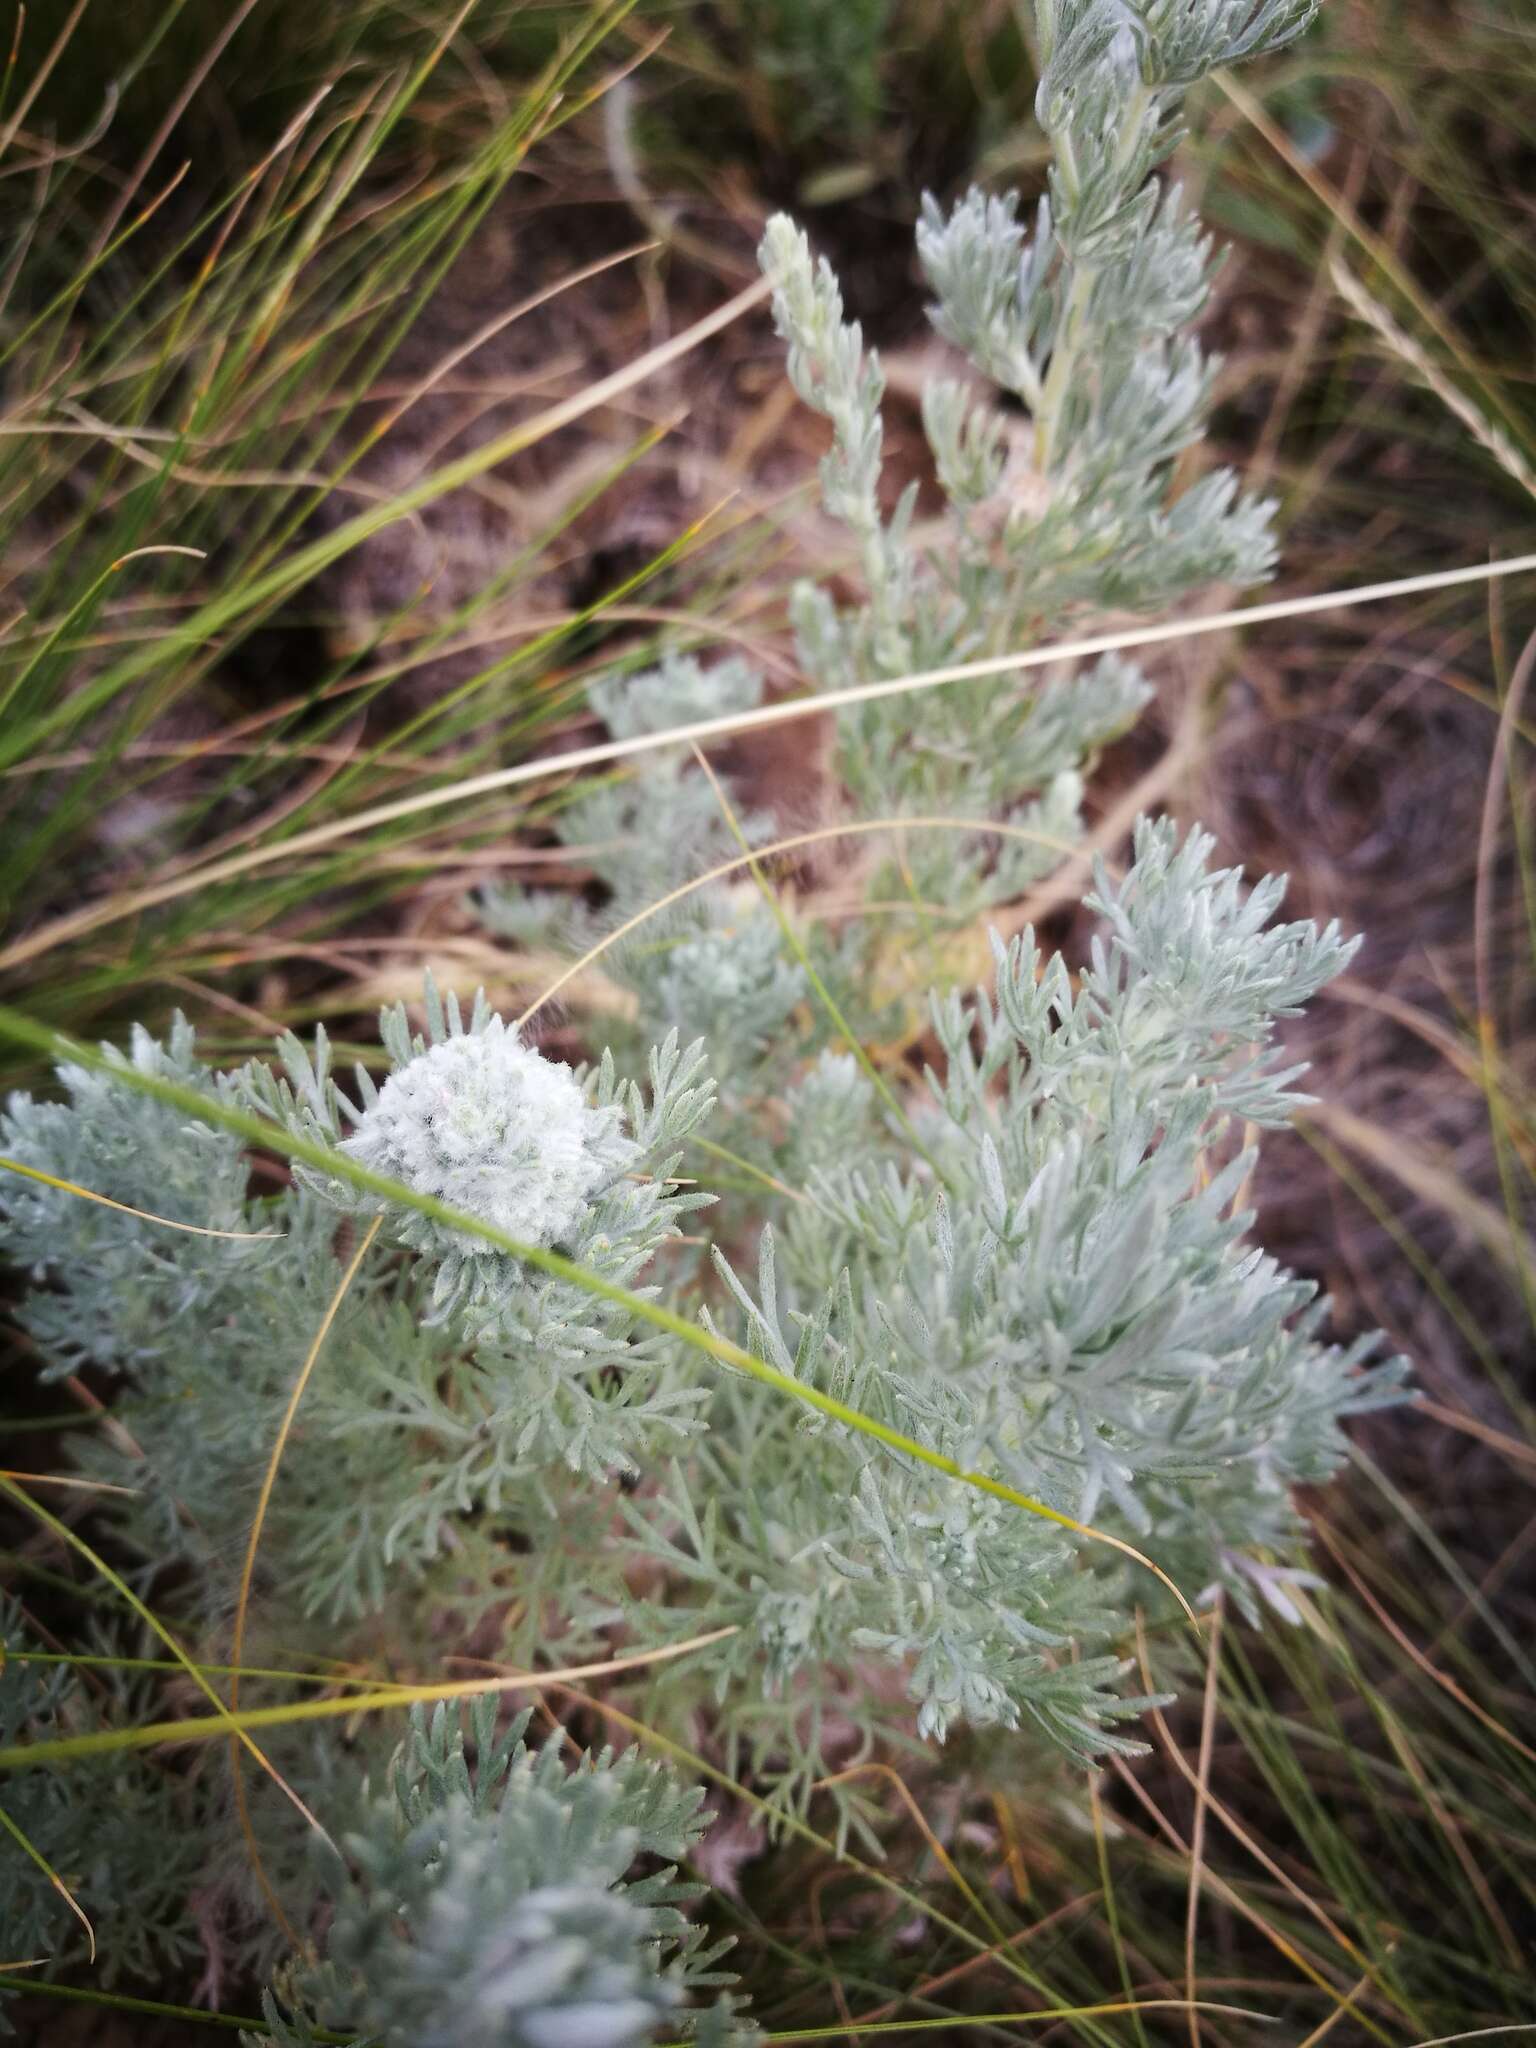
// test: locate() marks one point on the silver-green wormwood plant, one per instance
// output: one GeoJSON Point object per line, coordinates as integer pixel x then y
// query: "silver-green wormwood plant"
{"type": "Point", "coordinates": [1029, 1262]}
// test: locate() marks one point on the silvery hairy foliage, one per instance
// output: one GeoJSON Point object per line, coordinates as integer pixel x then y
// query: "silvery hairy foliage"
{"type": "Point", "coordinates": [1055, 1291]}
{"type": "Point", "coordinates": [1080, 315]}
{"type": "Point", "coordinates": [714, 963]}
{"type": "Point", "coordinates": [1045, 1275]}
{"type": "Point", "coordinates": [1082, 385]}
{"type": "Point", "coordinates": [1008, 1226]}
{"type": "Point", "coordinates": [489, 1900]}
{"type": "Point", "coordinates": [461, 1390]}
{"type": "Point", "coordinates": [1037, 1269]}
{"type": "Point", "coordinates": [455, 1378]}
{"type": "Point", "coordinates": [116, 1835]}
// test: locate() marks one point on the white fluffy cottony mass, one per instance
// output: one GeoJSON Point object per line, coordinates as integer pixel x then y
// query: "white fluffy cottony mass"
{"type": "Point", "coordinates": [489, 1125]}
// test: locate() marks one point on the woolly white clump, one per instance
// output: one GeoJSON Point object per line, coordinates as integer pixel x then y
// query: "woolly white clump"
{"type": "Point", "coordinates": [490, 1126]}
